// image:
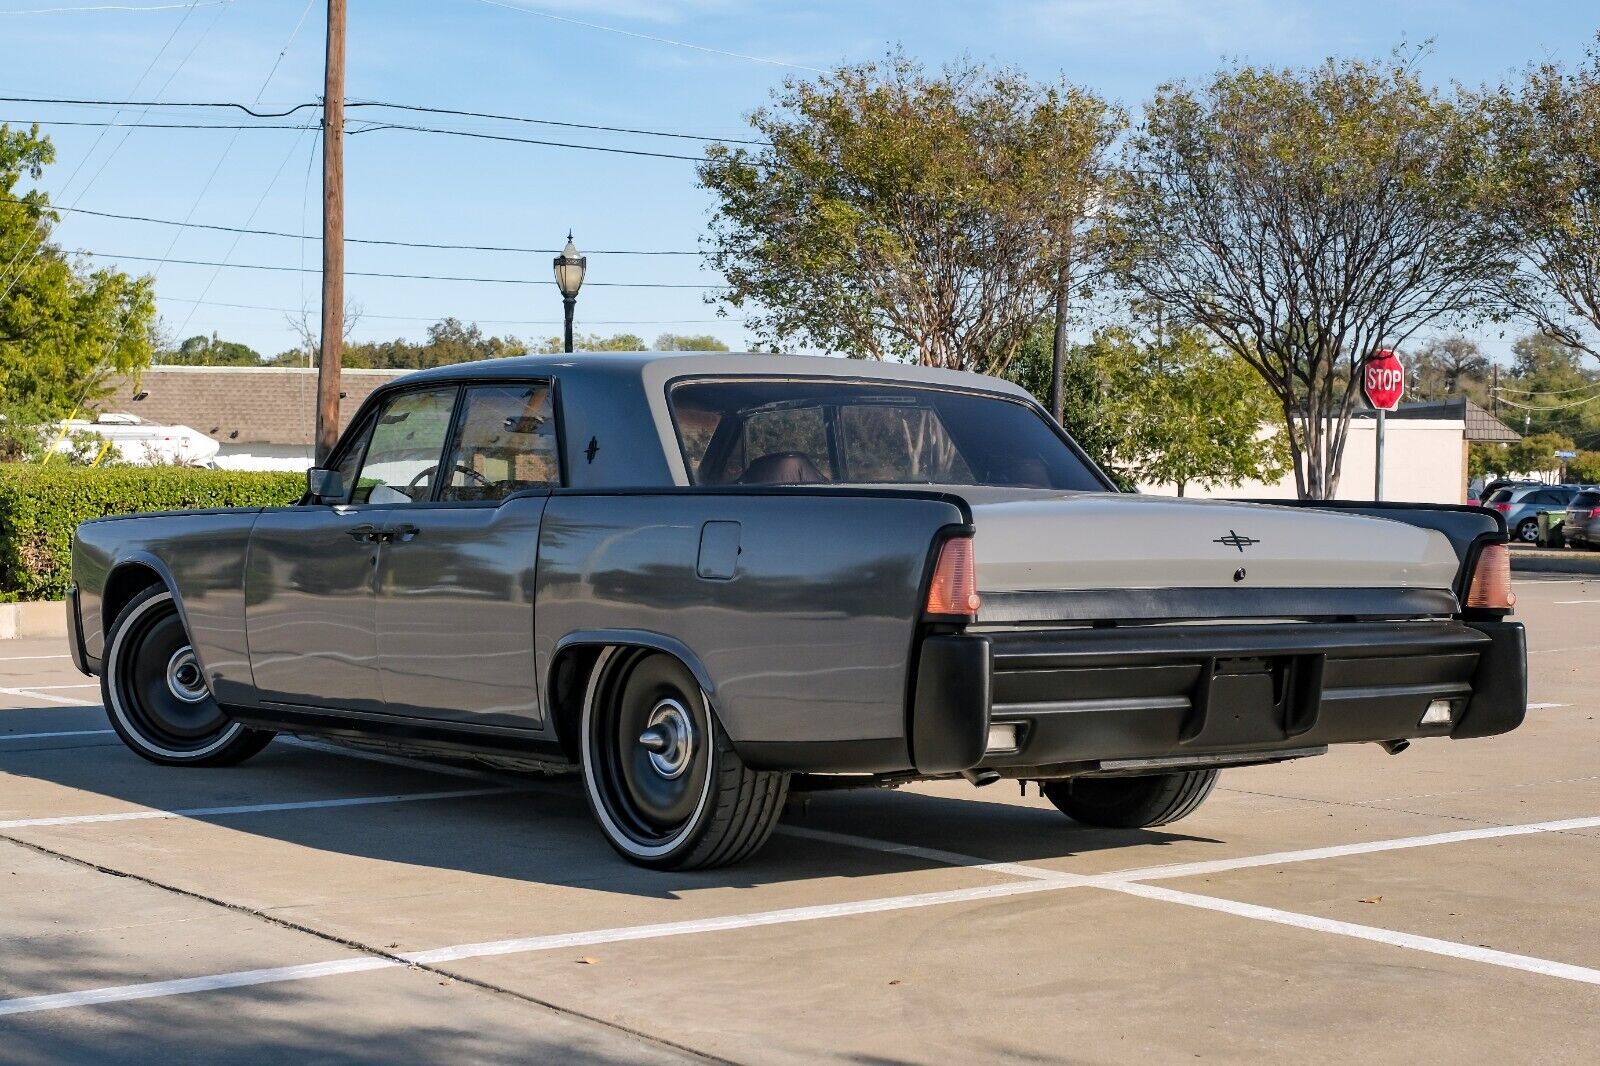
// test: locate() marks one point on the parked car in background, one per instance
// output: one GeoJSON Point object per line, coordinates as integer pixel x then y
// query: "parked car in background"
{"type": "Point", "coordinates": [1521, 505]}
{"type": "Point", "coordinates": [1488, 490]}
{"type": "Point", "coordinates": [1581, 525]}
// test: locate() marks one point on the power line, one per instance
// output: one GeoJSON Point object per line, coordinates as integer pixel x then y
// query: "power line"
{"type": "Point", "coordinates": [348, 240]}
{"type": "Point", "coordinates": [117, 7]}
{"type": "Point", "coordinates": [154, 103]}
{"type": "Point", "coordinates": [151, 125]}
{"type": "Point", "coordinates": [550, 122]}
{"type": "Point", "coordinates": [419, 108]}
{"type": "Point", "coordinates": [527, 140]}
{"type": "Point", "coordinates": [469, 318]}
{"type": "Point", "coordinates": [407, 277]}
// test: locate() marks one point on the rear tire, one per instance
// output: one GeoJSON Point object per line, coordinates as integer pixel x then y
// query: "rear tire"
{"type": "Point", "coordinates": [1528, 531]}
{"type": "Point", "coordinates": [689, 804]}
{"type": "Point", "coordinates": [156, 695]}
{"type": "Point", "coordinates": [1131, 802]}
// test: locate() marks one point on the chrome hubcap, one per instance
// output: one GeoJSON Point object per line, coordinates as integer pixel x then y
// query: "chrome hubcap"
{"type": "Point", "coordinates": [669, 738]}
{"type": "Point", "coordinates": [184, 679]}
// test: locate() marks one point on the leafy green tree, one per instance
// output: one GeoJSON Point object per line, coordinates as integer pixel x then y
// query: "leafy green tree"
{"type": "Point", "coordinates": [896, 213]}
{"type": "Point", "coordinates": [1174, 411]}
{"type": "Point", "coordinates": [594, 342]}
{"type": "Point", "coordinates": [1193, 414]}
{"type": "Point", "coordinates": [678, 342]}
{"type": "Point", "coordinates": [63, 326]}
{"type": "Point", "coordinates": [1550, 390]}
{"type": "Point", "coordinates": [1585, 469]}
{"type": "Point", "coordinates": [211, 351]}
{"type": "Point", "coordinates": [449, 341]}
{"type": "Point", "coordinates": [1543, 198]}
{"type": "Point", "coordinates": [1306, 218]}
{"type": "Point", "coordinates": [1537, 454]}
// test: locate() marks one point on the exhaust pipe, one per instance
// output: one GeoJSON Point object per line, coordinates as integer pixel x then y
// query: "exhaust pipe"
{"type": "Point", "coordinates": [980, 778]}
{"type": "Point", "coordinates": [1394, 747]}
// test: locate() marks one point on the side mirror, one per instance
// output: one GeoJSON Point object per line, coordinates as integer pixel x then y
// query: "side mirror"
{"type": "Point", "coordinates": [325, 484]}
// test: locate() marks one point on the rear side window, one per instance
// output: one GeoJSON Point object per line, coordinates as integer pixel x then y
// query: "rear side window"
{"type": "Point", "coordinates": [505, 442]}
{"type": "Point", "coordinates": [1499, 496]}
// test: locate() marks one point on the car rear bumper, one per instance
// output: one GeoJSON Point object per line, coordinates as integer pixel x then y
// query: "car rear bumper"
{"type": "Point", "coordinates": [1077, 699]}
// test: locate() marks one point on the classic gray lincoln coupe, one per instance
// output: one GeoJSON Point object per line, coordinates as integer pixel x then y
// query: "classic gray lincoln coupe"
{"type": "Point", "coordinates": [703, 579]}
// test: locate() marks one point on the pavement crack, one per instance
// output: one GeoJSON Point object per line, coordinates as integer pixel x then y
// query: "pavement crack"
{"type": "Point", "coordinates": [372, 950]}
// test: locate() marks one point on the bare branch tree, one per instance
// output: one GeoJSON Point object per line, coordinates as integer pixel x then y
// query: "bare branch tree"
{"type": "Point", "coordinates": [1306, 218]}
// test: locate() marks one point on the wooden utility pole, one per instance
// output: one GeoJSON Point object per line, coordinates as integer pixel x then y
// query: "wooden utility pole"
{"type": "Point", "coordinates": [329, 364]}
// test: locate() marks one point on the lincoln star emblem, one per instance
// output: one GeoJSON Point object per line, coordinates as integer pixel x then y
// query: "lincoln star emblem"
{"type": "Point", "coordinates": [1233, 540]}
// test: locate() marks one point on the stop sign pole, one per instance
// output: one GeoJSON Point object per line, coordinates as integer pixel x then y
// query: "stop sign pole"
{"type": "Point", "coordinates": [1383, 382]}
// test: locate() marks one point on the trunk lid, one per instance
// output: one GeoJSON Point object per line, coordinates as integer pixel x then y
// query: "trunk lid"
{"type": "Point", "coordinates": [1034, 541]}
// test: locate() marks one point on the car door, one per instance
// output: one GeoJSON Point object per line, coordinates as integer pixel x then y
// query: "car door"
{"type": "Point", "coordinates": [455, 591]}
{"type": "Point", "coordinates": [311, 579]}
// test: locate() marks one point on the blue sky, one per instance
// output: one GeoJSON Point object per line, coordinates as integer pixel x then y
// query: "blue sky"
{"type": "Point", "coordinates": [484, 55]}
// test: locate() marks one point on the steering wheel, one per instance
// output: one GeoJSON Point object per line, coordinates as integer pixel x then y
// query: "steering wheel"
{"type": "Point", "coordinates": [424, 475]}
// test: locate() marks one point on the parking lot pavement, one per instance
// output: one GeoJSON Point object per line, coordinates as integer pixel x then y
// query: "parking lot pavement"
{"type": "Point", "coordinates": [1433, 906]}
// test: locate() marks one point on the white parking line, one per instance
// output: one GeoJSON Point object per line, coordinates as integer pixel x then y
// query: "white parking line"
{"type": "Point", "coordinates": [29, 658]}
{"type": "Point", "coordinates": [1566, 603]}
{"type": "Point", "coordinates": [55, 688]}
{"type": "Point", "coordinates": [1431, 945]}
{"type": "Point", "coordinates": [29, 693]}
{"type": "Point", "coordinates": [247, 808]}
{"type": "Point", "coordinates": [1038, 880]}
{"type": "Point", "coordinates": [50, 736]}
{"type": "Point", "coordinates": [1545, 706]}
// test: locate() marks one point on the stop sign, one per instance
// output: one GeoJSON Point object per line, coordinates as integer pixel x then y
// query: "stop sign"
{"type": "Point", "coordinates": [1383, 380]}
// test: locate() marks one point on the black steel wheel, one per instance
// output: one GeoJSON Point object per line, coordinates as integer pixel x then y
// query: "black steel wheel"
{"type": "Point", "coordinates": [156, 695]}
{"type": "Point", "coordinates": [1131, 802]}
{"type": "Point", "coordinates": [662, 778]}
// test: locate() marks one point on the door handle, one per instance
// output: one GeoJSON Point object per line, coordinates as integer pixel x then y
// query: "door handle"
{"type": "Point", "coordinates": [403, 533]}
{"type": "Point", "coordinates": [365, 531]}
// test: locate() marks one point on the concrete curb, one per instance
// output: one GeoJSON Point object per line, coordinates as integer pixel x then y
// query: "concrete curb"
{"type": "Point", "coordinates": [44, 618]}
{"type": "Point", "coordinates": [1555, 562]}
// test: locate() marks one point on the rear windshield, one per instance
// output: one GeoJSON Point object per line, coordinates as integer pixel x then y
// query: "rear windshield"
{"type": "Point", "coordinates": [765, 431]}
{"type": "Point", "coordinates": [1586, 499]}
{"type": "Point", "coordinates": [1499, 496]}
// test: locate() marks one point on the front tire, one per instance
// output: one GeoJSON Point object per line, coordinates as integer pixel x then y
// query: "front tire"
{"type": "Point", "coordinates": [1131, 802]}
{"type": "Point", "coordinates": [661, 776]}
{"type": "Point", "coordinates": [156, 695]}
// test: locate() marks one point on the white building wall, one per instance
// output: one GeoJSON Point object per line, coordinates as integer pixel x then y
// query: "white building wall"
{"type": "Point", "coordinates": [1425, 462]}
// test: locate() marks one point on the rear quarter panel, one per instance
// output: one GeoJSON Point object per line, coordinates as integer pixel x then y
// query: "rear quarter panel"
{"type": "Point", "coordinates": [810, 640]}
{"type": "Point", "coordinates": [201, 557]}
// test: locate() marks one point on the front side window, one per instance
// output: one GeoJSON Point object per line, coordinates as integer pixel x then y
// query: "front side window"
{"type": "Point", "coordinates": [402, 460]}
{"type": "Point", "coordinates": [505, 442]}
{"type": "Point", "coordinates": [771, 431]}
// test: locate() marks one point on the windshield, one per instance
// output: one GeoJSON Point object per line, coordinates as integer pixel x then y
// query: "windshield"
{"type": "Point", "coordinates": [766, 431]}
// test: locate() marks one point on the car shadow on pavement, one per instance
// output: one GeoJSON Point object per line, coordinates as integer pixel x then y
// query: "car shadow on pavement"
{"type": "Point", "coordinates": [539, 830]}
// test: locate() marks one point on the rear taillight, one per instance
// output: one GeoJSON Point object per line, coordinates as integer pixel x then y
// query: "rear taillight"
{"type": "Point", "coordinates": [1503, 508]}
{"type": "Point", "coordinates": [1594, 512]}
{"type": "Point", "coordinates": [1491, 580]}
{"type": "Point", "coordinates": [953, 592]}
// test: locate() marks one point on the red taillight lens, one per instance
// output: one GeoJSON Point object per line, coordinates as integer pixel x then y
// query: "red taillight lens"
{"type": "Point", "coordinates": [1594, 512]}
{"type": "Point", "coordinates": [954, 588]}
{"type": "Point", "coordinates": [1491, 580]}
{"type": "Point", "coordinates": [1503, 508]}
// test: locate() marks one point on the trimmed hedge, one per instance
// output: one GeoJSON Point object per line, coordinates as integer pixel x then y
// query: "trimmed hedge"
{"type": "Point", "coordinates": [40, 506]}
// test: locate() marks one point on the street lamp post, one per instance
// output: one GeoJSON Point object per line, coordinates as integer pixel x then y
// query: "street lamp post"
{"type": "Point", "coordinates": [570, 266]}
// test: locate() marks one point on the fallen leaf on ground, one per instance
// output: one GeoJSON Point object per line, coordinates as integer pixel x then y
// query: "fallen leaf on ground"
{"type": "Point", "coordinates": [1373, 899]}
